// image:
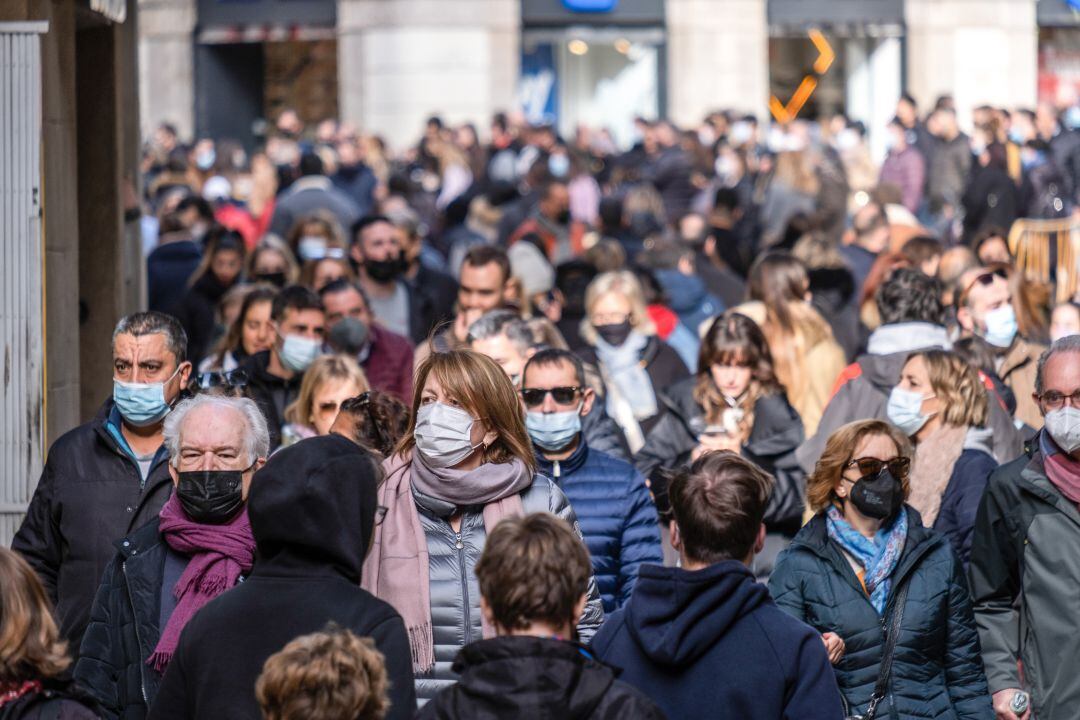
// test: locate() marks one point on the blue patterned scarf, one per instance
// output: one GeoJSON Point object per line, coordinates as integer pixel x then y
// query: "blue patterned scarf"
{"type": "Point", "coordinates": [878, 557]}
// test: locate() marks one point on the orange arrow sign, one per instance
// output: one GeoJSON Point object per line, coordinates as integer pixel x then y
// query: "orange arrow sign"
{"type": "Point", "coordinates": [786, 113]}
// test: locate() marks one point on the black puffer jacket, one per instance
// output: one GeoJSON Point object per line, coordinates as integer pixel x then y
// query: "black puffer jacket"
{"type": "Point", "coordinates": [90, 494]}
{"type": "Point", "coordinates": [937, 668]}
{"type": "Point", "coordinates": [777, 431]}
{"type": "Point", "coordinates": [125, 626]}
{"type": "Point", "coordinates": [532, 677]}
{"type": "Point", "coordinates": [271, 393]}
{"type": "Point", "coordinates": [56, 701]}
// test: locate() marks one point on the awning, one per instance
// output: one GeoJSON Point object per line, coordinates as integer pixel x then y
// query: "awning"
{"type": "Point", "coordinates": [802, 14]}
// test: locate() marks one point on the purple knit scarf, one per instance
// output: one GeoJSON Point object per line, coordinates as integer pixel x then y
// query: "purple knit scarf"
{"type": "Point", "coordinates": [219, 555]}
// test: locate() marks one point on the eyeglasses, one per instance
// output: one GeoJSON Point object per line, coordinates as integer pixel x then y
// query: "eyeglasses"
{"type": "Point", "coordinates": [898, 466]}
{"type": "Point", "coordinates": [380, 513]}
{"type": "Point", "coordinates": [233, 379]}
{"type": "Point", "coordinates": [1055, 400]}
{"type": "Point", "coordinates": [534, 397]}
{"type": "Point", "coordinates": [986, 278]}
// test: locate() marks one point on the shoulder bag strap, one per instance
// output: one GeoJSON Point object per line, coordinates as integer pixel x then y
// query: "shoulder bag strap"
{"type": "Point", "coordinates": [893, 630]}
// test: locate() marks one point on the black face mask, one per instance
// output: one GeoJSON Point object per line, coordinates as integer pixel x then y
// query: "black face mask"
{"type": "Point", "coordinates": [211, 497]}
{"type": "Point", "coordinates": [615, 334]}
{"type": "Point", "coordinates": [878, 496]}
{"type": "Point", "coordinates": [382, 271]}
{"type": "Point", "coordinates": [564, 217]}
{"type": "Point", "coordinates": [277, 279]}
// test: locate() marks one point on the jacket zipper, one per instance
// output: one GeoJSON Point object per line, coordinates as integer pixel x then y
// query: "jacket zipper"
{"type": "Point", "coordinates": [138, 642]}
{"type": "Point", "coordinates": [460, 544]}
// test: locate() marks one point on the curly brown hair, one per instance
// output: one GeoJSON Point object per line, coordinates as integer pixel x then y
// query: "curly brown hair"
{"type": "Point", "coordinates": [533, 569]}
{"type": "Point", "coordinates": [324, 676]}
{"type": "Point", "coordinates": [30, 644]}
{"type": "Point", "coordinates": [839, 448]}
{"type": "Point", "coordinates": [734, 339]}
{"type": "Point", "coordinates": [377, 420]}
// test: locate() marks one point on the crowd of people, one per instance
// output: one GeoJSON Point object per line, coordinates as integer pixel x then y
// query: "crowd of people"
{"type": "Point", "coordinates": [732, 422]}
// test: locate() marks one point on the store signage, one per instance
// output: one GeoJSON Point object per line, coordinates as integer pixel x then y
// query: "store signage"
{"type": "Point", "coordinates": [593, 6]}
{"type": "Point", "coordinates": [786, 113]}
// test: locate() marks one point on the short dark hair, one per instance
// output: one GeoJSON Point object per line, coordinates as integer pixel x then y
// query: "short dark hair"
{"type": "Point", "coordinates": [342, 284]}
{"type": "Point", "coordinates": [295, 297]}
{"type": "Point", "coordinates": [201, 205]}
{"type": "Point", "coordinates": [719, 504]}
{"type": "Point", "coordinates": [910, 296]}
{"type": "Point", "coordinates": [310, 164]}
{"type": "Point", "coordinates": [726, 198]}
{"type": "Point", "coordinates": [481, 255]}
{"type": "Point", "coordinates": [909, 99]}
{"type": "Point", "coordinates": [533, 568]}
{"type": "Point", "coordinates": [365, 222]}
{"type": "Point", "coordinates": [986, 234]}
{"type": "Point", "coordinates": [921, 248]}
{"type": "Point", "coordinates": [152, 323]}
{"type": "Point", "coordinates": [556, 356]}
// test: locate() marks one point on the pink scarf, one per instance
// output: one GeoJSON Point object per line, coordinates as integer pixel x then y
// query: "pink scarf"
{"type": "Point", "coordinates": [1062, 470]}
{"type": "Point", "coordinates": [935, 458]}
{"type": "Point", "coordinates": [396, 570]}
{"type": "Point", "coordinates": [219, 555]}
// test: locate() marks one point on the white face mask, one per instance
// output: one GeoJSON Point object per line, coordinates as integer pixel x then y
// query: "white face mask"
{"type": "Point", "coordinates": [443, 434]}
{"type": "Point", "coordinates": [1064, 426]}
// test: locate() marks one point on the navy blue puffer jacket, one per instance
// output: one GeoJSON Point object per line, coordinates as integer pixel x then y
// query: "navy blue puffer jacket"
{"type": "Point", "coordinates": [937, 668]}
{"type": "Point", "coordinates": [617, 517]}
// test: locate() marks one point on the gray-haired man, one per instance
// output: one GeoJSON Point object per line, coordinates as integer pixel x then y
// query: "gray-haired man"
{"type": "Point", "coordinates": [199, 546]}
{"type": "Point", "coordinates": [107, 477]}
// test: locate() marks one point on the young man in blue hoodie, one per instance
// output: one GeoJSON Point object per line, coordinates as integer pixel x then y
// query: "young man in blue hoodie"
{"type": "Point", "coordinates": [705, 640]}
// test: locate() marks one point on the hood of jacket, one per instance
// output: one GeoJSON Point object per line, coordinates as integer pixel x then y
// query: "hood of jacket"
{"type": "Point", "coordinates": [907, 337]}
{"type": "Point", "coordinates": [312, 509]}
{"type": "Point", "coordinates": [525, 673]}
{"type": "Point", "coordinates": [677, 615]}
{"type": "Point", "coordinates": [883, 371]}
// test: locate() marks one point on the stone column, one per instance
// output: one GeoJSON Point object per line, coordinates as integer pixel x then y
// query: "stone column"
{"type": "Point", "coordinates": [718, 57]}
{"type": "Point", "coordinates": [167, 60]}
{"type": "Point", "coordinates": [400, 61]}
{"type": "Point", "coordinates": [980, 51]}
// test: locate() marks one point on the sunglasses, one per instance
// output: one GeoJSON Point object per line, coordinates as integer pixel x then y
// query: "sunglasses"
{"type": "Point", "coordinates": [217, 379]}
{"type": "Point", "coordinates": [534, 397]}
{"type": "Point", "coordinates": [898, 467]}
{"type": "Point", "coordinates": [986, 278]}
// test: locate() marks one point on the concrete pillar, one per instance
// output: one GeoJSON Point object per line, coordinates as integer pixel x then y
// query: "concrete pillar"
{"type": "Point", "coordinates": [401, 60]}
{"type": "Point", "coordinates": [167, 54]}
{"type": "Point", "coordinates": [980, 51]}
{"type": "Point", "coordinates": [718, 57]}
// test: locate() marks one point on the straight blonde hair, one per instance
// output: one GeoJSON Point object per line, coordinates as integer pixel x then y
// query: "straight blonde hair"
{"type": "Point", "coordinates": [485, 392]}
{"type": "Point", "coordinates": [322, 371]}
{"type": "Point", "coordinates": [620, 282]}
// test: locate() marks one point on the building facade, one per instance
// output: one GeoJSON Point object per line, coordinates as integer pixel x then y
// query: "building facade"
{"type": "Point", "coordinates": [217, 67]}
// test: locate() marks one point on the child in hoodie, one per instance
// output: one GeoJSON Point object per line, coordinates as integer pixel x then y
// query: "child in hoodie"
{"type": "Point", "coordinates": [533, 576]}
{"type": "Point", "coordinates": [705, 640]}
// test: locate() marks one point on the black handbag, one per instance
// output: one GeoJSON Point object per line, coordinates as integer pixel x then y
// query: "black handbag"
{"type": "Point", "coordinates": [885, 671]}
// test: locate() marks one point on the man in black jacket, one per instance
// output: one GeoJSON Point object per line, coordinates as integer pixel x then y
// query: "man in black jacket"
{"type": "Point", "coordinates": [107, 477]}
{"type": "Point", "coordinates": [274, 375]}
{"type": "Point", "coordinates": [533, 577]}
{"type": "Point", "coordinates": [313, 513]}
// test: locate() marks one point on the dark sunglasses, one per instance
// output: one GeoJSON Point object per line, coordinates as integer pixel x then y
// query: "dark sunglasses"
{"type": "Point", "coordinates": [216, 379]}
{"type": "Point", "coordinates": [898, 467]}
{"type": "Point", "coordinates": [986, 278]}
{"type": "Point", "coordinates": [563, 395]}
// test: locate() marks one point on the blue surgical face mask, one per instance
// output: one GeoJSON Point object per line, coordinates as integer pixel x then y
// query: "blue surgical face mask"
{"type": "Point", "coordinates": [142, 404]}
{"type": "Point", "coordinates": [905, 410]}
{"type": "Point", "coordinates": [311, 247]}
{"type": "Point", "coordinates": [298, 352]}
{"type": "Point", "coordinates": [559, 165]}
{"type": "Point", "coordinates": [1000, 326]}
{"type": "Point", "coordinates": [443, 434]}
{"type": "Point", "coordinates": [1016, 135]}
{"type": "Point", "coordinates": [553, 431]}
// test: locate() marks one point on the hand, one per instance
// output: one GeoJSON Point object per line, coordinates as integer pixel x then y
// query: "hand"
{"type": "Point", "coordinates": [1002, 710]}
{"type": "Point", "coordinates": [463, 320]}
{"type": "Point", "coordinates": [834, 646]}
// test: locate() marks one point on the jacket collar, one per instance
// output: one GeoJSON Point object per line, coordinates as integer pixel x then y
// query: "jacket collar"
{"type": "Point", "coordinates": [567, 466]}
{"type": "Point", "coordinates": [140, 542]}
{"type": "Point", "coordinates": [1019, 354]}
{"type": "Point", "coordinates": [1033, 479]}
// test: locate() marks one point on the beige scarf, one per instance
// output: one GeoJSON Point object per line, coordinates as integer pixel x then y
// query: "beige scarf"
{"type": "Point", "coordinates": [934, 460]}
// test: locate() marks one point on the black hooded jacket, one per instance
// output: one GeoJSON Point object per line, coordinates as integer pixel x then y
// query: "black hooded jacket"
{"type": "Point", "coordinates": [537, 678]}
{"type": "Point", "coordinates": [312, 510]}
{"type": "Point", "coordinates": [271, 393]}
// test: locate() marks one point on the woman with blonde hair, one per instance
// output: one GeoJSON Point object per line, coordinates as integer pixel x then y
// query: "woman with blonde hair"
{"type": "Point", "coordinates": [941, 404]}
{"type": "Point", "coordinates": [634, 363]}
{"type": "Point", "coordinates": [465, 463]}
{"type": "Point", "coordinates": [880, 587]}
{"type": "Point", "coordinates": [33, 658]}
{"type": "Point", "coordinates": [328, 382]}
{"type": "Point", "coordinates": [273, 262]}
{"type": "Point", "coordinates": [807, 357]}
